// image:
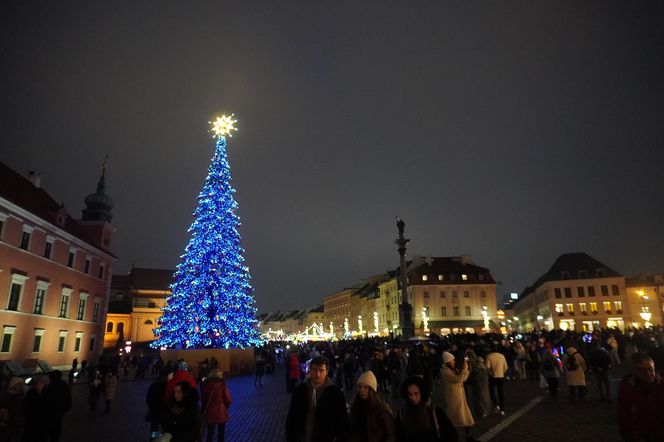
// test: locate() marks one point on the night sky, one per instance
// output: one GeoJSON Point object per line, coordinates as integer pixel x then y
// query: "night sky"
{"type": "Point", "coordinates": [510, 131]}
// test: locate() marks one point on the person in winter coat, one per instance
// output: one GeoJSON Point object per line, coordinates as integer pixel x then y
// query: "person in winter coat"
{"type": "Point", "coordinates": [455, 397]}
{"type": "Point", "coordinates": [600, 363]}
{"type": "Point", "coordinates": [497, 365]}
{"type": "Point", "coordinates": [58, 397]}
{"type": "Point", "coordinates": [419, 420]}
{"type": "Point", "coordinates": [480, 388]}
{"type": "Point", "coordinates": [154, 399]}
{"type": "Point", "coordinates": [110, 388]}
{"type": "Point", "coordinates": [292, 372]}
{"type": "Point", "coordinates": [575, 373]}
{"type": "Point", "coordinates": [550, 371]}
{"type": "Point", "coordinates": [317, 410]}
{"type": "Point", "coordinates": [181, 374]}
{"type": "Point", "coordinates": [95, 388]}
{"type": "Point", "coordinates": [641, 402]}
{"type": "Point", "coordinates": [12, 401]}
{"type": "Point", "coordinates": [182, 419]}
{"type": "Point", "coordinates": [521, 358]}
{"type": "Point", "coordinates": [35, 411]}
{"type": "Point", "coordinates": [216, 400]}
{"type": "Point", "coordinates": [371, 419]}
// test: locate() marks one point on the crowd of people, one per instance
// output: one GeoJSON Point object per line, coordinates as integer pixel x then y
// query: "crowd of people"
{"type": "Point", "coordinates": [342, 390]}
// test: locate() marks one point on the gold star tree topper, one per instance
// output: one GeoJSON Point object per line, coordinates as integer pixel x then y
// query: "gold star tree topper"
{"type": "Point", "coordinates": [224, 125]}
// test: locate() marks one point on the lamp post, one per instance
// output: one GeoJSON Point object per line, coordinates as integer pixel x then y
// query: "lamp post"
{"type": "Point", "coordinates": [405, 309]}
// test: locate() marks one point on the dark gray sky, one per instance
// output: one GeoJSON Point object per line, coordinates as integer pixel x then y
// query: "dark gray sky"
{"type": "Point", "coordinates": [511, 131]}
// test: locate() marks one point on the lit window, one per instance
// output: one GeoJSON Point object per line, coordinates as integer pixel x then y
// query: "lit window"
{"type": "Point", "coordinates": [617, 305]}
{"type": "Point", "coordinates": [570, 308]}
{"type": "Point", "coordinates": [559, 308]}
{"type": "Point", "coordinates": [593, 306]}
{"type": "Point", "coordinates": [440, 277]}
{"type": "Point", "coordinates": [464, 277]}
{"type": "Point", "coordinates": [607, 305]}
{"type": "Point", "coordinates": [582, 307]}
{"type": "Point", "coordinates": [425, 278]}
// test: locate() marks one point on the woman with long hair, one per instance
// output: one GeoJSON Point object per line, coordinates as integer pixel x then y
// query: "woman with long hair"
{"type": "Point", "coordinates": [182, 420]}
{"type": "Point", "coordinates": [371, 418]}
{"type": "Point", "coordinates": [419, 420]}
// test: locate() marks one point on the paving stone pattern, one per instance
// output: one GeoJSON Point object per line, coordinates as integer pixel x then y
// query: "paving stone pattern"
{"type": "Point", "coordinates": [258, 413]}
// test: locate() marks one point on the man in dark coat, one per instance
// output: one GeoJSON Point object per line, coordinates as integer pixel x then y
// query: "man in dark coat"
{"type": "Point", "coordinates": [317, 410]}
{"type": "Point", "coordinates": [58, 398]}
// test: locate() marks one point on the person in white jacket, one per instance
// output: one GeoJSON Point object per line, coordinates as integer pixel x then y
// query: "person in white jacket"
{"type": "Point", "coordinates": [496, 364]}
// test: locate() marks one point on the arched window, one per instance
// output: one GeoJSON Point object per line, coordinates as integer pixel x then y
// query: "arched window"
{"type": "Point", "coordinates": [147, 322]}
{"type": "Point", "coordinates": [109, 327]}
{"type": "Point", "coordinates": [120, 328]}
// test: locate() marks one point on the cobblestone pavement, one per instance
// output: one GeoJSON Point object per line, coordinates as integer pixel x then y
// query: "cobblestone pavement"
{"type": "Point", "coordinates": [258, 413]}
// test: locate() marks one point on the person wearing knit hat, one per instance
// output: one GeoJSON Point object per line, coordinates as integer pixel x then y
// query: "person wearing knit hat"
{"type": "Point", "coordinates": [371, 418]}
{"type": "Point", "coordinates": [455, 396]}
{"type": "Point", "coordinates": [369, 379]}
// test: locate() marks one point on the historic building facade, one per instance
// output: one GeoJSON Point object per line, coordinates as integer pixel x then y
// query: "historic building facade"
{"type": "Point", "coordinates": [577, 293]}
{"type": "Point", "coordinates": [54, 273]}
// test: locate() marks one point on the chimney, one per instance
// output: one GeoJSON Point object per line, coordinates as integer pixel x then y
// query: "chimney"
{"type": "Point", "coordinates": [35, 178]}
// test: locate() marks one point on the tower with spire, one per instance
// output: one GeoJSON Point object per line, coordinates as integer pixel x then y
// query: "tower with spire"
{"type": "Point", "coordinates": [97, 214]}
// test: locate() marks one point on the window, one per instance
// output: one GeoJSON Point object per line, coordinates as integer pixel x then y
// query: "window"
{"type": "Point", "coordinates": [557, 292]}
{"type": "Point", "coordinates": [456, 310]}
{"type": "Point", "coordinates": [77, 341]}
{"type": "Point", "coordinates": [48, 249]}
{"type": "Point", "coordinates": [607, 305]}
{"type": "Point", "coordinates": [95, 312]}
{"type": "Point", "coordinates": [3, 219]}
{"type": "Point", "coordinates": [444, 311]}
{"type": "Point", "coordinates": [559, 308]}
{"type": "Point", "coordinates": [466, 294]}
{"type": "Point", "coordinates": [81, 306]}
{"type": "Point", "coordinates": [72, 258]}
{"type": "Point", "coordinates": [480, 276]}
{"type": "Point", "coordinates": [62, 339]}
{"type": "Point", "coordinates": [580, 291]}
{"type": "Point", "coordinates": [568, 292]}
{"type": "Point", "coordinates": [582, 307]}
{"type": "Point", "coordinates": [25, 238]}
{"type": "Point", "coordinates": [101, 270]}
{"type": "Point", "coordinates": [40, 294]}
{"type": "Point", "coordinates": [64, 302]}
{"type": "Point", "coordinates": [564, 275]}
{"type": "Point", "coordinates": [583, 274]}
{"type": "Point", "coordinates": [109, 327]}
{"type": "Point", "coordinates": [482, 293]}
{"type": "Point", "coordinates": [16, 291]}
{"type": "Point", "coordinates": [149, 322]}
{"type": "Point", "coordinates": [452, 276]}
{"type": "Point", "coordinates": [617, 305]}
{"type": "Point", "coordinates": [120, 328]}
{"type": "Point", "coordinates": [7, 338]}
{"type": "Point", "coordinates": [442, 295]}
{"type": "Point", "coordinates": [599, 273]}
{"type": "Point", "coordinates": [615, 290]}
{"type": "Point", "coordinates": [593, 306]}
{"type": "Point", "coordinates": [440, 277]}
{"type": "Point", "coordinates": [426, 294]}
{"type": "Point", "coordinates": [605, 290]}
{"type": "Point", "coordinates": [92, 343]}
{"type": "Point", "coordinates": [36, 343]}
{"type": "Point", "coordinates": [467, 311]}
{"type": "Point", "coordinates": [86, 269]}
{"type": "Point", "coordinates": [464, 277]}
{"type": "Point", "coordinates": [454, 294]}
{"type": "Point", "coordinates": [570, 308]}
{"type": "Point", "coordinates": [591, 291]}
{"type": "Point", "coordinates": [425, 278]}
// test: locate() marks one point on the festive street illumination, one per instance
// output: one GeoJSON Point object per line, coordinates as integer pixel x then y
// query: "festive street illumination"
{"type": "Point", "coordinates": [211, 304]}
{"type": "Point", "coordinates": [485, 316]}
{"type": "Point", "coordinates": [425, 320]}
{"type": "Point", "coordinates": [359, 324]}
{"type": "Point", "coordinates": [346, 327]}
{"type": "Point", "coordinates": [222, 126]}
{"type": "Point", "coordinates": [375, 319]}
{"type": "Point", "coordinates": [331, 328]}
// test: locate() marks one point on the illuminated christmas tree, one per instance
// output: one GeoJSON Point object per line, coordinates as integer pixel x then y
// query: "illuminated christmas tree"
{"type": "Point", "coordinates": [211, 305]}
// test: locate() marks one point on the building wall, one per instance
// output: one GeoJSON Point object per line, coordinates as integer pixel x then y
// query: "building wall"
{"type": "Point", "coordinates": [337, 307]}
{"type": "Point", "coordinates": [32, 271]}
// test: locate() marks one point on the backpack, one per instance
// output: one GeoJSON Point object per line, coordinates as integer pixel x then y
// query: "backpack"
{"type": "Point", "coordinates": [571, 364]}
{"type": "Point", "coordinates": [548, 364]}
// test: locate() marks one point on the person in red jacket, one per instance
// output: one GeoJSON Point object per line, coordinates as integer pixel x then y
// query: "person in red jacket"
{"type": "Point", "coordinates": [216, 400]}
{"type": "Point", "coordinates": [182, 374]}
{"type": "Point", "coordinates": [641, 402]}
